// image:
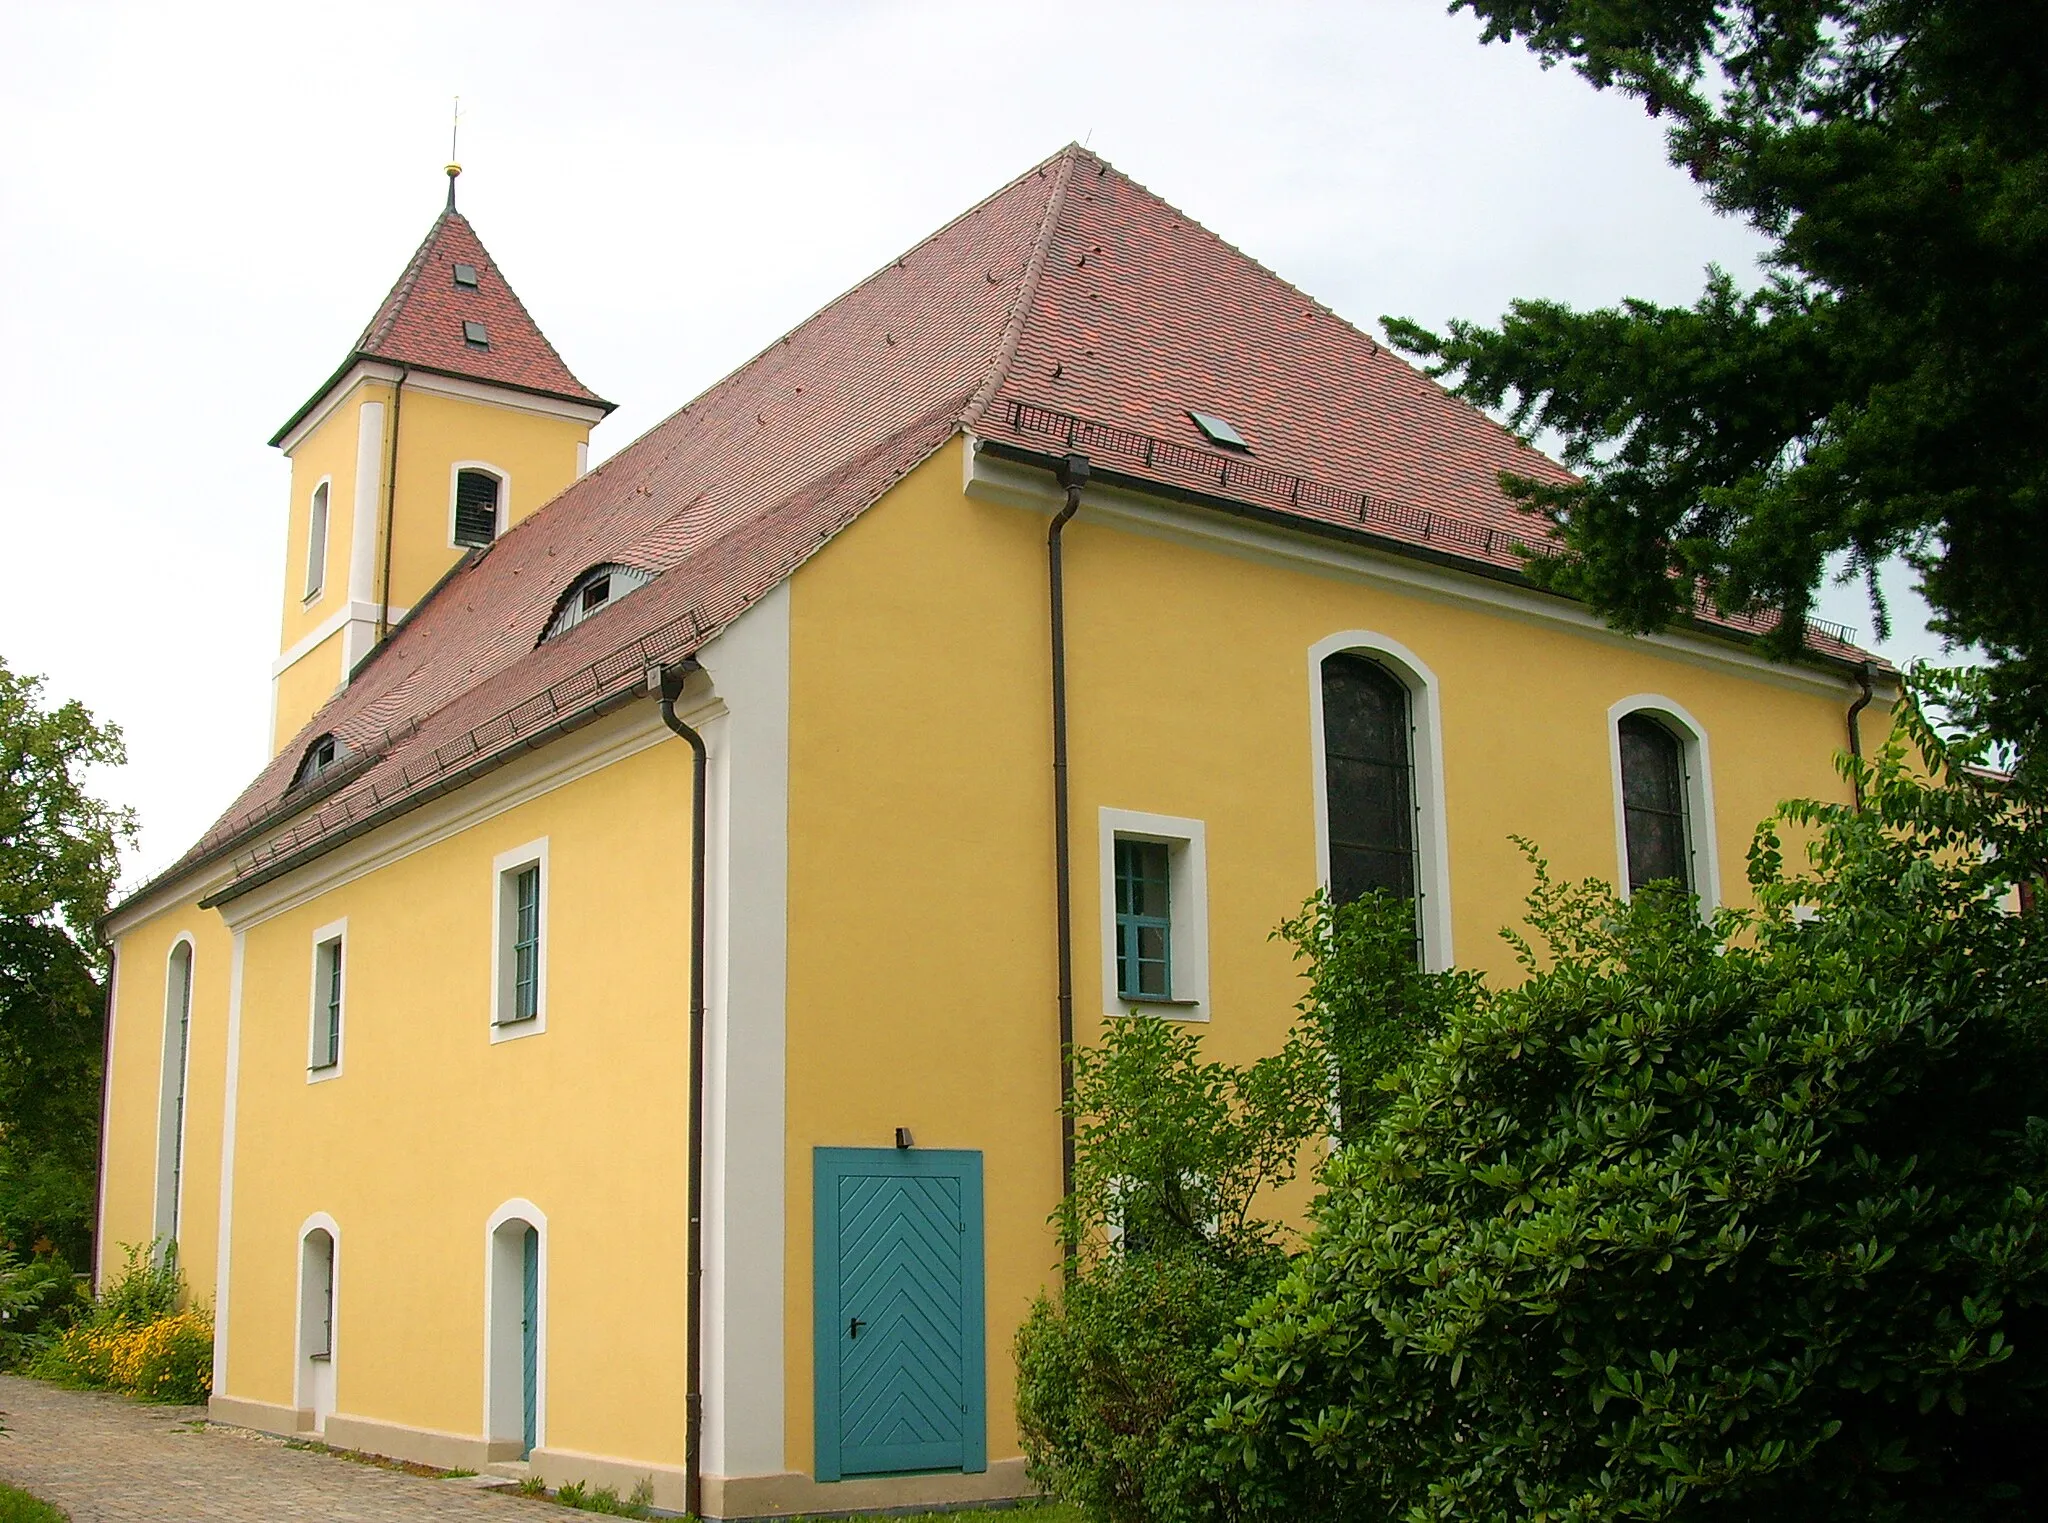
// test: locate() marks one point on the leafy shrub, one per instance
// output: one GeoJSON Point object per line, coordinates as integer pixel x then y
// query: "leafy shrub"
{"type": "Point", "coordinates": [1746, 1220]}
{"type": "Point", "coordinates": [1171, 1216]}
{"type": "Point", "coordinates": [134, 1338]}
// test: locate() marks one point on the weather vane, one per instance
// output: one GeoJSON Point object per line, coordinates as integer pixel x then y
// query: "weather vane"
{"type": "Point", "coordinates": [454, 167]}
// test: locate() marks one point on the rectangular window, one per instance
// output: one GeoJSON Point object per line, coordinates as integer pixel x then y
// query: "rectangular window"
{"type": "Point", "coordinates": [526, 944]}
{"type": "Point", "coordinates": [476, 508]}
{"type": "Point", "coordinates": [316, 543]}
{"type": "Point", "coordinates": [1144, 921]}
{"type": "Point", "coordinates": [328, 991]}
{"type": "Point", "coordinates": [519, 979]}
{"type": "Point", "coordinates": [1155, 915]}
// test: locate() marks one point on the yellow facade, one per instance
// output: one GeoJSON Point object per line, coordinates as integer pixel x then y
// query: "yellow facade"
{"type": "Point", "coordinates": [920, 904]}
{"type": "Point", "coordinates": [916, 942]}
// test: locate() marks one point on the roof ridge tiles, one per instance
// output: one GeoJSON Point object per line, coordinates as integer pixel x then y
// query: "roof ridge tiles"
{"type": "Point", "coordinates": [1027, 288]}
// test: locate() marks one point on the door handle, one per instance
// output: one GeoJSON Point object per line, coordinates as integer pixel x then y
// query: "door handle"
{"type": "Point", "coordinates": [854, 1326]}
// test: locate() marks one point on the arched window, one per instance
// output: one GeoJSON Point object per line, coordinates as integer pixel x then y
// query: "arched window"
{"type": "Point", "coordinates": [170, 1143]}
{"type": "Point", "coordinates": [594, 590]}
{"type": "Point", "coordinates": [316, 542]}
{"type": "Point", "coordinates": [318, 1284]}
{"type": "Point", "coordinates": [479, 497]}
{"type": "Point", "coordinates": [1369, 768]}
{"type": "Point", "coordinates": [1653, 803]}
{"type": "Point", "coordinates": [321, 757]}
{"type": "Point", "coordinates": [1663, 798]}
{"type": "Point", "coordinates": [515, 1315]}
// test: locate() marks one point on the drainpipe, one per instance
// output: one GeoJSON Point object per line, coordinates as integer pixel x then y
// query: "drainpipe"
{"type": "Point", "coordinates": [1856, 732]}
{"type": "Point", "coordinates": [391, 500]}
{"type": "Point", "coordinates": [1072, 473]}
{"type": "Point", "coordinates": [668, 682]}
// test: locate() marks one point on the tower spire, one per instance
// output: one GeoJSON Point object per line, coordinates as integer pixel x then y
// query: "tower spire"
{"type": "Point", "coordinates": [454, 167]}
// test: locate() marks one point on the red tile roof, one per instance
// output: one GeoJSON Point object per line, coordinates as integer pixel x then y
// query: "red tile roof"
{"type": "Point", "coordinates": [420, 324]}
{"type": "Point", "coordinates": [1071, 303]}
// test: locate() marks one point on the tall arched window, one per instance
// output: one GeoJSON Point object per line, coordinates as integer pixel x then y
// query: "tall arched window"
{"type": "Point", "coordinates": [170, 1136]}
{"type": "Point", "coordinates": [1369, 768]}
{"type": "Point", "coordinates": [1653, 802]}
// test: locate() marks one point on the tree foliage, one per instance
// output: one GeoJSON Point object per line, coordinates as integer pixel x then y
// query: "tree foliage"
{"type": "Point", "coordinates": [59, 851]}
{"type": "Point", "coordinates": [1884, 391]}
{"type": "Point", "coordinates": [1742, 1219]}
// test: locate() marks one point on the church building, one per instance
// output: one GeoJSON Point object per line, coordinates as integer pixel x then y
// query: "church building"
{"type": "Point", "coordinates": [622, 1030]}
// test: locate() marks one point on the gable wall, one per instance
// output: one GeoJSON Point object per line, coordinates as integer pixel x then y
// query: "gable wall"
{"type": "Point", "coordinates": [921, 986]}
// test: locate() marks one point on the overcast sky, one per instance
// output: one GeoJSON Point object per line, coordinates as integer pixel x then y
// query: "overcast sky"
{"type": "Point", "coordinates": [200, 206]}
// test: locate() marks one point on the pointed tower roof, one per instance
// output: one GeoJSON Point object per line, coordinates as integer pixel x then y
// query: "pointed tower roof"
{"type": "Point", "coordinates": [430, 321]}
{"type": "Point", "coordinates": [1073, 309]}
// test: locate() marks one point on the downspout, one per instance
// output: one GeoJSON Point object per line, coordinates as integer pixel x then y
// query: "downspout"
{"type": "Point", "coordinates": [668, 682]}
{"type": "Point", "coordinates": [1072, 473]}
{"type": "Point", "coordinates": [1856, 733]}
{"type": "Point", "coordinates": [391, 500]}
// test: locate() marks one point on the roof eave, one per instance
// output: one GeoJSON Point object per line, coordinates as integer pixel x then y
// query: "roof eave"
{"type": "Point", "coordinates": [365, 357]}
{"type": "Point", "coordinates": [1299, 524]}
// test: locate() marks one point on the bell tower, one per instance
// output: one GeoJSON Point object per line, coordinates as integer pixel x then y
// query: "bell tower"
{"type": "Point", "coordinates": [451, 419]}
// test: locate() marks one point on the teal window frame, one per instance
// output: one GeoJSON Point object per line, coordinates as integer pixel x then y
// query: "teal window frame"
{"type": "Point", "coordinates": [526, 943]}
{"type": "Point", "coordinates": [1144, 909]}
{"type": "Point", "coordinates": [329, 1055]}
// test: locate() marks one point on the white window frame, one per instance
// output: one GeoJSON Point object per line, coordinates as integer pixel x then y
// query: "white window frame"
{"type": "Point", "coordinates": [497, 1276]}
{"type": "Point", "coordinates": [1700, 836]}
{"type": "Point", "coordinates": [1426, 739]}
{"type": "Point", "coordinates": [168, 1206]}
{"type": "Point", "coordinates": [335, 934]}
{"type": "Point", "coordinates": [304, 1398]}
{"type": "Point", "coordinates": [505, 870]}
{"type": "Point", "coordinates": [320, 511]}
{"type": "Point", "coordinates": [504, 478]}
{"type": "Point", "coordinates": [1187, 867]}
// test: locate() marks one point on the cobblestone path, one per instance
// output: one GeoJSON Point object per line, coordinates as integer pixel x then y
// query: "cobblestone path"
{"type": "Point", "coordinates": [105, 1459]}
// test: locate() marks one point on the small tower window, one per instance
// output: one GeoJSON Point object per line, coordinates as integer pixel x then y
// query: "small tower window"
{"type": "Point", "coordinates": [320, 758]}
{"type": "Point", "coordinates": [465, 276]}
{"type": "Point", "coordinates": [476, 508]}
{"type": "Point", "coordinates": [316, 543]}
{"type": "Point", "coordinates": [473, 335]}
{"type": "Point", "coordinates": [592, 591]}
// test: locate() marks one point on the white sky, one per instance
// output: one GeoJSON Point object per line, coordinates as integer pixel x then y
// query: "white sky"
{"type": "Point", "coordinates": [200, 206]}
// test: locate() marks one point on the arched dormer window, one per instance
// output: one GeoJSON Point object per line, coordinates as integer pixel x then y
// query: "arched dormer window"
{"type": "Point", "coordinates": [598, 588]}
{"type": "Point", "coordinates": [479, 507]}
{"type": "Point", "coordinates": [321, 758]}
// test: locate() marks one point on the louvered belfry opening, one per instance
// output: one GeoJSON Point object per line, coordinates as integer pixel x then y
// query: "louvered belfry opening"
{"type": "Point", "coordinates": [476, 508]}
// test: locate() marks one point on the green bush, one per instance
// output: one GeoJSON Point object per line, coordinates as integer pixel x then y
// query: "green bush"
{"type": "Point", "coordinates": [38, 1299]}
{"type": "Point", "coordinates": [1741, 1220]}
{"type": "Point", "coordinates": [134, 1338]}
{"type": "Point", "coordinates": [1173, 1222]}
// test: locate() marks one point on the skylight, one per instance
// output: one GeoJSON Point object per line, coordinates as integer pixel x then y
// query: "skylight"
{"type": "Point", "coordinates": [465, 275]}
{"type": "Point", "coordinates": [1219, 431]}
{"type": "Point", "coordinates": [473, 333]}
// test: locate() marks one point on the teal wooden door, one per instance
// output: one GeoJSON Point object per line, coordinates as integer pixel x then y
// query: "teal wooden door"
{"type": "Point", "coordinates": [898, 1293]}
{"type": "Point", "coordinates": [529, 1341]}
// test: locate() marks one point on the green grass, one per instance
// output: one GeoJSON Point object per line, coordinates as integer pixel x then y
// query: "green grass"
{"type": "Point", "coordinates": [20, 1507]}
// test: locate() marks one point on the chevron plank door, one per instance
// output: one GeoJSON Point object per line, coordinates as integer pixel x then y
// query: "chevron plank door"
{"type": "Point", "coordinates": [899, 1314]}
